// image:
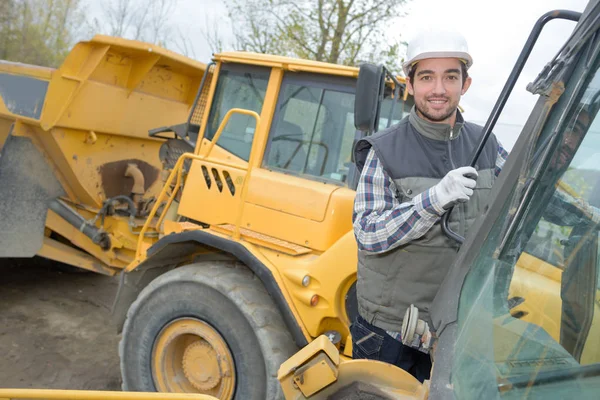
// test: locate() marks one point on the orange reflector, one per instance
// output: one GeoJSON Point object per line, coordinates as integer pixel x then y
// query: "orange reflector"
{"type": "Point", "coordinates": [314, 300]}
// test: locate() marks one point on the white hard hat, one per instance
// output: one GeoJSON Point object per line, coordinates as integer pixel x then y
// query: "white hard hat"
{"type": "Point", "coordinates": [437, 44]}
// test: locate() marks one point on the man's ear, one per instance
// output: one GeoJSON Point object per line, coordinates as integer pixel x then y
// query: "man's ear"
{"type": "Point", "coordinates": [466, 85]}
{"type": "Point", "coordinates": [409, 87]}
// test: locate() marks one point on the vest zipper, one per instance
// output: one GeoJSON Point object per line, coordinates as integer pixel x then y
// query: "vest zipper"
{"type": "Point", "coordinates": [459, 208]}
{"type": "Point", "coordinates": [450, 151]}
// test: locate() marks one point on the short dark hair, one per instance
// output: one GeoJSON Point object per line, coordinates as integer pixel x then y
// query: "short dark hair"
{"type": "Point", "coordinates": [463, 72]}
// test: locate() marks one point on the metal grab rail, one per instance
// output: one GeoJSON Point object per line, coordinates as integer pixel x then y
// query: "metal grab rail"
{"type": "Point", "coordinates": [501, 102]}
{"type": "Point", "coordinates": [177, 172]}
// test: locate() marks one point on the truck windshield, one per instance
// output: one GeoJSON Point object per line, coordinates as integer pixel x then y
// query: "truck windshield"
{"type": "Point", "coordinates": [313, 128]}
{"type": "Point", "coordinates": [529, 316]}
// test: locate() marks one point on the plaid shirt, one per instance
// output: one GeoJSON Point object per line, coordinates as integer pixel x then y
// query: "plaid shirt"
{"type": "Point", "coordinates": [380, 222]}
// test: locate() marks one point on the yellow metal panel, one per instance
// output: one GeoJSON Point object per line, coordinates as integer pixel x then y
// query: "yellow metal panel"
{"type": "Point", "coordinates": [279, 280]}
{"type": "Point", "coordinates": [139, 68]}
{"type": "Point", "coordinates": [68, 255]}
{"type": "Point", "coordinates": [331, 274]}
{"type": "Point", "coordinates": [110, 109]}
{"type": "Point", "coordinates": [67, 81]}
{"type": "Point", "coordinates": [174, 60]}
{"type": "Point", "coordinates": [211, 205]}
{"type": "Point", "coordinates": [80, 164]}
{"type": "Point", "coordinates": [127, 70]}
{"type": "Point", "coordinates": [71, 233]}
{"type": "Point", "coordinates": [539, 287]}
{"type": "Point", "coordinates": [33, 71]}
{"type": "Point", "coordinates": [531, 263]}
{"type": "Point", "coordinates": [316, 374]}
{"type": "Point", "coordinates": [285, 62]}
{"type": "Point", "coordinates": [285, 226]}
{"type": "Point", "coordinates": [290, 194]}
{"type": "Point", "coordinates": [302, 230]}
{"type": "Point", "coordinates": [392, 381]}
{"type": "Point", "coordinates": [164, 83]}
{"type": "Point", "coordinates": [5, 125]}
{"type": "Point", "coordinates": [263, 240]}
{"type": "Point", "coordinates": [93, 168]}
{"type": "Point", "coordinates": [91, 89]}
{"type": "Point", "coordinates": [319, 345]}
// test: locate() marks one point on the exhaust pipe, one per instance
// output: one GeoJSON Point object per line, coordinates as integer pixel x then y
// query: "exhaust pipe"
{"type": "Point", "coordinates": [97, 235]}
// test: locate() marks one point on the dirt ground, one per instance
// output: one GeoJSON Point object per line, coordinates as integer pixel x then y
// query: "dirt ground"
{"type": "Point", "coordinates": [55, 329]}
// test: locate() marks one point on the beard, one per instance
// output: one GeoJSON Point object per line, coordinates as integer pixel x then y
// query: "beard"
{"type": "Point", "coordinates": [440, 115]}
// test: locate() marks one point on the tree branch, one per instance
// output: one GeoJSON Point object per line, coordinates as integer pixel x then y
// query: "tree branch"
{"type": "Point", "coordinates": [296, 39]}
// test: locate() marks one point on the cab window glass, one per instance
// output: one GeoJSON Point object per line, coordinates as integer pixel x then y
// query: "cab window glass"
{"type": "Point", "coordinates": [239, 86]}
{"type": "Point", "coordinates": [390, 113]}
{"type": "Point", "coordinates": [313, 128]}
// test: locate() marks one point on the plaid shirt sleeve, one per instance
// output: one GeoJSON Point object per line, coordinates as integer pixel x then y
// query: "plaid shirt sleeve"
{"type": "Point", "coordinates": [380, 222]}
{"type": "Point", "coordinates": [501, 159]}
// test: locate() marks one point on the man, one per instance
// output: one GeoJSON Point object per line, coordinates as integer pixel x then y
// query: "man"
{"type": "Point", "coordinates": [412, 173]}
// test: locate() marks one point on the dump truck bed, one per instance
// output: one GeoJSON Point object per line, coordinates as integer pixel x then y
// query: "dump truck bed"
{"type": "Point", "coordinates": [73, 133]}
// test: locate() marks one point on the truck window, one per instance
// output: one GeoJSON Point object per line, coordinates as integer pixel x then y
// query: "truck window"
{"type": "Point", "coordinates": [239, 86]}
{"type": "Point", "coordinates": [313, 127]}
{"type": "Point", "coordinates": [389, 117]}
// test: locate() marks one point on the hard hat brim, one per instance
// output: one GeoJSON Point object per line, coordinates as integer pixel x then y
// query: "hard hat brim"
{"type": "Point", "coordinates": [406, 66]}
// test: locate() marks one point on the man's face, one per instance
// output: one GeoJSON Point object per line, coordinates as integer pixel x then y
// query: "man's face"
{"type": "Point", "coordinates": [436, 87]}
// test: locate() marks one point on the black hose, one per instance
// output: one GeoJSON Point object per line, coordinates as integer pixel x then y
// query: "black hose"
{"type": "Point", "coordinates": [122, 198]}
{"type": "Point", "coordinates": [98, 236]}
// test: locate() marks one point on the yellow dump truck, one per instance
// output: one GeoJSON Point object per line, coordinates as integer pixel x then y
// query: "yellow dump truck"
{"type": "Point", "coordinates": [252, 228]}
{"type": "Point", "coordinates": [80, 134]}
{"type": "Point", "coordinates": [243, 253]}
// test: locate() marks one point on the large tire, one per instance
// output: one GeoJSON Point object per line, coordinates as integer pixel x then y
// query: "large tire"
{"type": "Point", "coordinates": [230, 299]}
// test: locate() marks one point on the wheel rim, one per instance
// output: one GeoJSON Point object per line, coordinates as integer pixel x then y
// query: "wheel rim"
{"type": "Point", "coordinates": [190, 356]}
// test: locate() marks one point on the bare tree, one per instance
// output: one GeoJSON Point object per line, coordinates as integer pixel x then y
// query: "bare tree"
{"type": "Point", "coordinates": [145, 20]}
{"type": "Point", "coordinates": [336, 31]}
{"type": "Point", "coordinates": [118, 15]}
{"type": "Point", "coordinates": [38, 31]}
{"type": "Point", "coordinates": [160, 14]}
{"type": "Point", "coordinates": [183, 44]}
{"type": "Point", "coordinates": [211, 33]}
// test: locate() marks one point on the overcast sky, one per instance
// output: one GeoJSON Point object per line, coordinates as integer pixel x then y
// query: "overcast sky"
{"type": "Point", "coordinates": [495, 31]}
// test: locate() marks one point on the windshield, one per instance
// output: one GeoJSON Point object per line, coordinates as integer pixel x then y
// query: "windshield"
{"type": "Point", "coordinates": [529, 315]}
{"type": "Point", "coordinates": [313, 128]}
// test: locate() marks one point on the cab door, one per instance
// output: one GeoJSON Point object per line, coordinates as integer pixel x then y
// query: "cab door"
{"type": "Point", "coordinates": [306, 160]}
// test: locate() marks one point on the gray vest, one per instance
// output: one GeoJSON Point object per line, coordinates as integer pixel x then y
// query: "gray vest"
{"type": "Point", "coordinates": [416, 157]}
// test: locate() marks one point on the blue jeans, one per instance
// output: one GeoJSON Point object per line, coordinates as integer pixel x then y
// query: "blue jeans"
{"type": "Point", "coordinates": [369, 341]}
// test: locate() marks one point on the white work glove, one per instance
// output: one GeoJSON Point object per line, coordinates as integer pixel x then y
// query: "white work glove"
{"type": "Point", "coordinates": [456, 187]}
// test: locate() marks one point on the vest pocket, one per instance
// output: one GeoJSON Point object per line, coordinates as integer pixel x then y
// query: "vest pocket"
{"type": "Point", "coordinates": [366, 344]}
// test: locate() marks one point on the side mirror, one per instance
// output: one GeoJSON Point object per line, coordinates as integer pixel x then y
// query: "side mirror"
{"type": "Point", "coordinates": [370, 88]}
